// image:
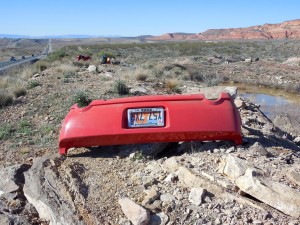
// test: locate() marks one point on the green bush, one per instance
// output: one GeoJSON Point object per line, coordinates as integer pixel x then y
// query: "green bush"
{"type": "Point", "coordinates": [32, 84]}
{"type": "Point", "coordinates": [121, 88]}
{"type": "Point", "coordinates": [81, 98]}
{"type": "Point", "coordinates": [57, 55]}
{"type": "Point", "coordinates": [24, 127]}
{"type": "Point", "coordinates": [5, 99]}
{"type": "Point", "coordinates": [4, 132]}
{"type": "Point", "coordinates": [107, 53]}
{"type": "Point", "coordinates": [70, 74]}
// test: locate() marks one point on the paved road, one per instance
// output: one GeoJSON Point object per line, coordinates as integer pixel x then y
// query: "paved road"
{"type": "Point", "coordinates": [5, 65]}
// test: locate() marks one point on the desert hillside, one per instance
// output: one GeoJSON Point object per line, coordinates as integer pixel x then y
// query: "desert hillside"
{"type": "Point", "coordinates": [186, 183]}
{"type": "Point", "coordinates": [285, 30]}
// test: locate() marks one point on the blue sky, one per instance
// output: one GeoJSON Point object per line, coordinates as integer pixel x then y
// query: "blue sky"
{"type": "Point", "coordinates": [138, 17]}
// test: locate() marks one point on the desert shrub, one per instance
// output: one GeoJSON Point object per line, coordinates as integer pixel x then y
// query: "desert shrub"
{"type": "Point", "coordinates": [294, 88]}
{"type": "Point", "coordinates": [141, 75]}
{"type": "Point", "coordinates": [5, 99]}
{"type": "Point", "coordinates": [80, 64]}
{"type": "Point", "coordinates": [4, 132]}
{"type": "Point", "coordinates": [121, 88]}
{"type": "Point", "coordinates": [27, 72]}
{"type": "Point", "coordinates": [172, 86]}
{"type": "Point", "coordinates": [57, 55]}
{"type": "Point", "coordinates": [81, 98]}
{"type": "Point", "coordinates": [158, 73]}
{"type": "Point", "coordinates": [212, 80]}
{"type": "Point", "coordinates": [32, 84]}
{"type": "Point", "coordinates": [64, 68]}
{"type": "Point", "coordinates": [20, 91]}
{"type": "Point", "coordinates": [41, 66]}
{"type": "Point", "coordinates": [69, 74]}
{"type": "Point", "coordinates": [196, 76]}
{"type": "Point", "coordinates": [107, 53]}
{"type": "Point", "coordinates": [24, 127]}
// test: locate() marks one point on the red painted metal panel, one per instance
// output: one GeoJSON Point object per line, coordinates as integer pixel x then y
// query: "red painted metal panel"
{"type": "Point", "coordinates": [187, 118]}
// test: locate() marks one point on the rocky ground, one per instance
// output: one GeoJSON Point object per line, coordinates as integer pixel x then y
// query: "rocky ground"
{"type": "Point", "coordinates": [174, 183]}
{"type": "Point", "coordinates": [187, 183]}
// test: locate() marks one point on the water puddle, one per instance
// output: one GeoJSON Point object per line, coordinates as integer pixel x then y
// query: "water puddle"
{"type": "Point", "coordinates": [272, 101]}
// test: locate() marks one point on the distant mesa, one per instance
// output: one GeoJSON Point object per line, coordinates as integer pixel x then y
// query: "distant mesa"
{"type": "Point", "coordinates": [285, 30]}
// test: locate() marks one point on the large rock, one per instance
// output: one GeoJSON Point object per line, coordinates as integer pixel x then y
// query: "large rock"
{"type": "Point", "coordinates": [187, 178]}
{"type": "Point", "coordinates": [138, 91]}
{"type": "Point", "coordinates": [240, 103]}
{"type": "Point", "coordinates": [213, 92]}
{"type": "Point", "coordinates": [171, 164]}
{"type": "Point", "coordinates": [12, 178]}
{"type": "Point", "coordinates": [293, 176]}
{"type": "Point", "coordinates": [54, 199]}
{"type": "Point", "coordinates": [134, 212]}
{"type": "Point", "coordinates": [151, 195]}
{"type": "Point", "coordinates": [233, 167]}
{"type": "Point", "coordinates": [92, 68]}
{"type": "Point", "coordinates": [275, 194]}
{"type": "Point", "coordinates": [287, 123]}
{"type": "Point", "coordinates": [259, 150]}
{"type": "Point", "coordinates": [197, 196]}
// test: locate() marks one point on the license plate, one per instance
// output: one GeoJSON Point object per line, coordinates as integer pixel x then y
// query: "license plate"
{"type": "Point", "coordinates": [146, 117]}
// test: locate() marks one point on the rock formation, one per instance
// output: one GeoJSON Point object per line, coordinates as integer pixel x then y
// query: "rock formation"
{"type": "Point", "coordinates": [285, 30]}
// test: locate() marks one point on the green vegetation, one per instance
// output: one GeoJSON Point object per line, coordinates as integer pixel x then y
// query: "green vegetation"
{"type": "Point", "coordinates": [32, 84]}
{"type": "Point", "coordinates": [22, 128]}
{"type": "Point", "coordinates": [4, 131]}
{"type": "Point", "coordinates": [57, 55]}
{"type": "Point", "coordinates": [121, 88]}
{"type": "Point", "coordinates": [138, 156]}
{"type": "Point", "coordinates": [81, 98]}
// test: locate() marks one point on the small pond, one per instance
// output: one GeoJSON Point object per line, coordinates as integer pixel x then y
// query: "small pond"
{"type": "Point", "coordinates": [272, 101]}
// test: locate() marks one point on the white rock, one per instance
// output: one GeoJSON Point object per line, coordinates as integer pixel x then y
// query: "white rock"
{"type": "Point", "coordinates": [171, 178]}
{"type": "Point", "coordinates": [151, 195]}
{"type": "Point", "coordinates": [167, 198]}
{"type": "Point", "coordinates": [233, 167]}
{"type": "Point", "coordinates": [275, 194]}
{"type": "Point", "coordinates": [197, 195]}
{"type": "Point", "coordinates": [170, 164]}
{"type": "Point", "coordinates": [240, 103]}
{"type": "Point", "coordinates": [293, 176]}
{"type": "Point", "coordinates": [258, 149]}
{"type": "Point", "coordinates": [134, 212]}
{"type": "Point", "coordinates": [92, 68]}
{"type": "Point", "coordinates": [138, 91]}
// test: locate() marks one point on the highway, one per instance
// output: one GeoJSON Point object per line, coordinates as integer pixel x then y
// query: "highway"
{"type": "Point", "coordinates": [5, 65]}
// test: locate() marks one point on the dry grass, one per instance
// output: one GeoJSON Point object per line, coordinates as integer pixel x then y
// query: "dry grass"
{"type": "Point", "coordinates": [19, 91]}
{"type": "Point", "coordinates": [64, 68]}
{"type": "Point", "coordinates": [142, 74]}
{"type": "Point", "coordinates": [172, 85]}
{"type": "Point", "coordinates": [5, 99]}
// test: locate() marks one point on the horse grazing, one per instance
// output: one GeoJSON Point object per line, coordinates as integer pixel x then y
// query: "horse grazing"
{"type": "Point", "coordinates": [83, 57]}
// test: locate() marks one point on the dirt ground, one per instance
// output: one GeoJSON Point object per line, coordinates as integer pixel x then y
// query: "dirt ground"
{"type": "Point", "coordinates": [30, 125]}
